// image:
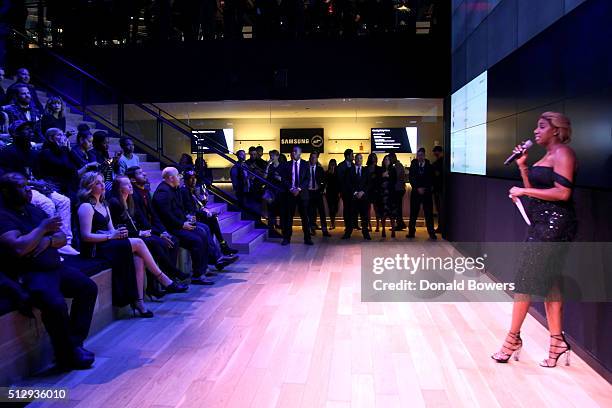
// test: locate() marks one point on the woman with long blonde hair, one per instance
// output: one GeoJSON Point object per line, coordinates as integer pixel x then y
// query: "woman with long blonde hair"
{"type": "Point", "coordinates": [127, 256]}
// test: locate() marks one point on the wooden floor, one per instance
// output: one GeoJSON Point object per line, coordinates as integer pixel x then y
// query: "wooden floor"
{"type": "Point", "coordinates": [287, 329]}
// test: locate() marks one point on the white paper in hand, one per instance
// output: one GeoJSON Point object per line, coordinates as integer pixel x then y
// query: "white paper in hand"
{"type": "Point", "coordinates": [521, 209]}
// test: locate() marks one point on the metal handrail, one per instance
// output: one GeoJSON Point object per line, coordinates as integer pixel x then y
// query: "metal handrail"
{"type": "Point", "coordinates": [126, 99]}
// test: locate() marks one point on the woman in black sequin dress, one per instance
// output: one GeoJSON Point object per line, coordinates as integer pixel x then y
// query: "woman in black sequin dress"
{"type": "Point", "coordinates": [547, 195]}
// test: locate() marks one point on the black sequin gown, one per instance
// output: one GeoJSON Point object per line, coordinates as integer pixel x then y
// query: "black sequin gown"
{"type": "Point", "coordinates": [551, 221]}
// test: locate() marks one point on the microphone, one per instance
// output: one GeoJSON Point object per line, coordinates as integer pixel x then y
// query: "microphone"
{"type": "Point", "coordinates": [524, 146]}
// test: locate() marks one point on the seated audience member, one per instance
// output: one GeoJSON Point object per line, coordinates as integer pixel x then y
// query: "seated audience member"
{"type": "Point", "coordinates": [185, 163]}
{"type": "Point", "coordinates": [21, 158]}
{"type": "Point", "coordinates": [203, 173]}
{"type": "Point", "coordinates": [421, 175]}
{"type": "Point", "coordinates": [168, 205]}
{"type": "Point", "coordinates": [82, 154]}
{"type": "Point", "coordinates": [121, 206]}
{"type": "Point", "coordinates": [128, 158]}
{"type": "Point", "coordinates": [127, 256]}
{"type": "Point", "coordinates": [22, 78]}
{"type": "Point", "coordinates": [53, 117]}
{"type": "Point", "coordinates": [55, 163]}
{"type": "Point", "coordinates": [195, 199]}
{"type": "Point", "coordinates": [22, 109]}
{"type": "Point", "coordinates": [108, 166]}
{"type": "Point", "coordinates": [147, 219]}
{"type": "Point", "coordinates": [28, 247]}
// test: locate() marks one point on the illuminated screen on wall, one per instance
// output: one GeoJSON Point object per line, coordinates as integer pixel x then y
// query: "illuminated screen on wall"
{"type": "Point", "coordinates": [469, 127]}
{"type": "Point", "coordinates": [222, 138]}
{"type": "Point", "coordinates": [397, 140]}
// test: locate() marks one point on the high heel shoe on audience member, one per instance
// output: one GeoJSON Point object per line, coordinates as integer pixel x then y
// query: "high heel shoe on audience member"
{"type": "Point", "coordinates": [154, 293]}
{"type": "Point", "coordinates": [139, 309]}
{"type": "Point", "coordinates": [512, 345]}
{"type": "Point", "coordinates": [559, 350]}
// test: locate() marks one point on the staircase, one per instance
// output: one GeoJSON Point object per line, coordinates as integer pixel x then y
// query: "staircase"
{"type": "Point", "coordinates": [239, 234]}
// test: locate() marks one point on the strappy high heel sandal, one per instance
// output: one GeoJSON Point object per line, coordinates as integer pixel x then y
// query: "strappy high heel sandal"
{"type": "Point", "coordinates": [556, 351]}
{"type": "Point", "coordinates": [139, 309]}
{"type": "Point", "coordinates": [513, 344]}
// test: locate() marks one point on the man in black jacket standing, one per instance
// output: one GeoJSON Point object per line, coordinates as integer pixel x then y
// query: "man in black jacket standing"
{"type": "Point", "coordinates": [168, 206]}
{"type": "Point", "coordinates": [295, 179]}
{"type": "Point", "coordinates": [315, 195]}
{"type": "Point", "coordinates": [421, 179]}
{"type": "Point", "coordinates": [345, 191]}
{"type": "Point", "coordinates": [357, 180]}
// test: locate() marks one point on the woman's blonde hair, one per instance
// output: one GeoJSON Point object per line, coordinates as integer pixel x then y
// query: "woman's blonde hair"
{"type": "Point", "coordinates": [87, 182]}
{"type": "Point", "coordinates": [562, 123]}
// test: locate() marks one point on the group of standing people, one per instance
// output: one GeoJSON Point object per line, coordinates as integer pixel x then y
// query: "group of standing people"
{"type": "Point", "coordinates": [304, 185]}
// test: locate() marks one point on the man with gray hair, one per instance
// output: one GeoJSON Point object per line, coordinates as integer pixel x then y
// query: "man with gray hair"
{"type": "Point", "coordinates": [168, 206]}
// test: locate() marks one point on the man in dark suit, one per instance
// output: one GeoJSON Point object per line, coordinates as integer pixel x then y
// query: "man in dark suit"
{"type": "Point", "coordinates": [345, 192]}
{"type": "Point", "coordinates": [168, 206]}
{"type": "Point", "coordinates": [147, 218]}
{"type": "Point", "coordinates": [357, 180]}
{"type": "Point", "coordinates": [315, 194]}
{"type": "Point", "coordinates": [295, 180]}
{"type": "Point", "coordinates": [420, 177]}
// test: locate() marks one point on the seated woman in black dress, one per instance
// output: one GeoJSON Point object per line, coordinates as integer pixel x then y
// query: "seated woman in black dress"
{"type": "Point", "coordinates": [121, 206]}
{"type": "Point", "coordinates": [127, 256]}
{"type": "Point", "coordinates": [547, 193]}
{"type": "Point", "coordinates": [54, 115]}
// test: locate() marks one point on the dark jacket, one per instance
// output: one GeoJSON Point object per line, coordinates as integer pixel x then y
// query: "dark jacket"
{"type": "Point", "coordinates": [240, 178]}
{"type": "Point", "coordinates": [420, 177]}
{"type": "Point", "coordinates": [17, 159]}
{"type": "Point", "coordinates": [56, 166]}
{"type": "Point", "coordinates": [12, 90]}
{"type": "Point", "coordinates": [286, 173]}
{"type": "Point", "coordinates": [168, 205]}
{"type": "Point", "coordinates": [79, 159]}
{"type": "Point", "coordinates": [319, 178]}
{"type": "Point", "coordinates": [438, 174]}
{"type": "Point", "coordinates": [120, 215]}
{"type": "Point", "coordinates": [341, 177]}
{"type": "Point", "coordinates": [358, 183]}
{"type": "Point", "coordinates": [16, 112]}
{"type": "Point", "coordinates": [49, 121]}
{"type": "Point", "coordinates": [144, 215]}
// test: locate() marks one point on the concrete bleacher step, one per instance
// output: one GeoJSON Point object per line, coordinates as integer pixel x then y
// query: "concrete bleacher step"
{"type": "Point", "coordinates": [234, 231]}
{"type": "Point", "coordinates": [149, 166]}
{"type": "Point", "coordinates": [247, 242]}
{"type": "Point", "coordinates": [227, 218]}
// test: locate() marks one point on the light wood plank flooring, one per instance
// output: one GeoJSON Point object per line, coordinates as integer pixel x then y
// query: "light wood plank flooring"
{"type": "Point", "coordinates": [286, 328]}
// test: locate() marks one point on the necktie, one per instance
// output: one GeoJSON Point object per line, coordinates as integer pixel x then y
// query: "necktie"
{"type": "Point", "coordinates": [359, 172]}
{"type": "Point", "coordinates": [295, 174]}
{"type": "Point", "coordinates": [312, 178]}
